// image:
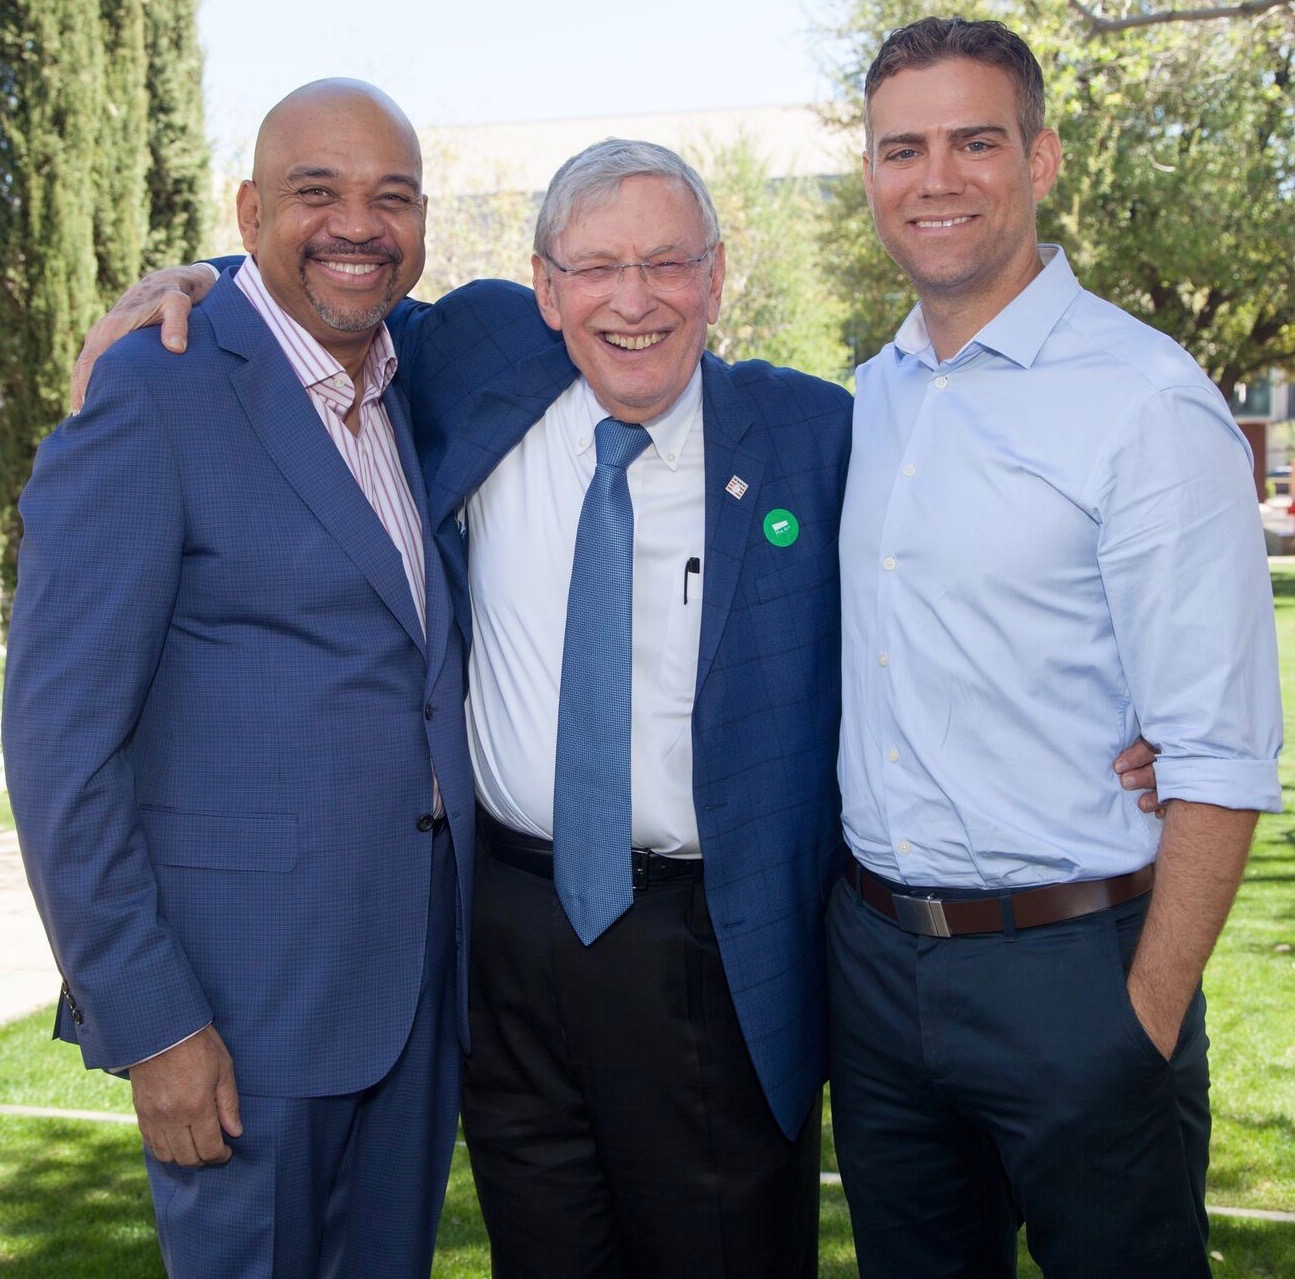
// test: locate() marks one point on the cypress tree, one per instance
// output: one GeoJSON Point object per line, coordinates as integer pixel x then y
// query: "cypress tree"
{"type": "Point", "coordinates": [121, 220]}
{"type": "Point", "coordinates": [178, 176]}
{"type": "Point", "coordinates": [103, 174]}
{"type": "Point", "coordinates": [51, 56]}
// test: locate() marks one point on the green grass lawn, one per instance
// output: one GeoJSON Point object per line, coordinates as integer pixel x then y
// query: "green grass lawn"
{"type": "Point", "coordinates": [74, 1201]}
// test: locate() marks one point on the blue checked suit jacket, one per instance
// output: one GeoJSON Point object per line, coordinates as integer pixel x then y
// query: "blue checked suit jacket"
{"type": "Point", "coordinates": [220, 718]}
{"type": "Point", "coordinates": [480, 368]}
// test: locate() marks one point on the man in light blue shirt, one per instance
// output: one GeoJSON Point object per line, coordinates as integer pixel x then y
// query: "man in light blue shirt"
{"type": "Point", "coordinates": [1050, 544]}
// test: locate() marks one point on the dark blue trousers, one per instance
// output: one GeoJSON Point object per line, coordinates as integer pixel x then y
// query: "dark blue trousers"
{"type": "Point", "coordinates": [978, 1082]}
{"type": "Point", "coordinates": [346, 1187]}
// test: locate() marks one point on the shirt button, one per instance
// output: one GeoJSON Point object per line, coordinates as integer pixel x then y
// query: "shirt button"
{"type": "Point", "coordinates": [910, 470]}
{"type": "Point", "coordinates": [941, 382]}
{"type": "Point", "coordinates": [583, 442]}
{"type": "Point", "coordinates": [905, 846]}
{"type": "Point", "coordinates": [670, 457]}
{"type": "Point", "coordinates": [889, 563]}
{"type": "Point", "coordinates": [892, 754]}
{"type": "Point", "coordinates": [883, 659]}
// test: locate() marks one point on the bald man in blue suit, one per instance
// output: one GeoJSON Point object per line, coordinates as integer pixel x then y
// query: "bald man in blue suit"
{"type": "Point", "coordinates": [225, 723]}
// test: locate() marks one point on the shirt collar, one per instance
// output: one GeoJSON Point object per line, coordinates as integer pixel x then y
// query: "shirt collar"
{"type": "Point", "coordinates": [312, 364]}
{"type": "Point", "coordinates": [669, 432]}
{"type": "Point", "coordinates": [1020, 329]}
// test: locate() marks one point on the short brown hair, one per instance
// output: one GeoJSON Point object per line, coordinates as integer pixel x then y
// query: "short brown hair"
{"type": "Point", "coordinates": [931, 40]}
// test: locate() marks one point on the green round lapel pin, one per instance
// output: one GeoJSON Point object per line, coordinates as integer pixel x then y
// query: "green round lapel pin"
{"type": "Point", "coordinates": [781, 527]}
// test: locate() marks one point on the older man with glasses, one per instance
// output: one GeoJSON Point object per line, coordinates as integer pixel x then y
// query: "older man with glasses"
{"type": "Point", "coordinates": [654, 669]}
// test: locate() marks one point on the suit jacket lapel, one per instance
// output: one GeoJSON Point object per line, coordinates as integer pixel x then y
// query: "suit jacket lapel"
{"type": "Point", "coordinates": [284, 419]}
{"type": "Point", "coordinates": [725, 420]}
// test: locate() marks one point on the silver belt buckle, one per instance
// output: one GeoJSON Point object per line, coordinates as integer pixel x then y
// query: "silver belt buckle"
{"type": "Point", "coordinates": [924, 915]}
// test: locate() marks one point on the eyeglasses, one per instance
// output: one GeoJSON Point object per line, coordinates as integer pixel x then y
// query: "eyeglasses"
{"type": "Point", "coordinates": [661, 276]}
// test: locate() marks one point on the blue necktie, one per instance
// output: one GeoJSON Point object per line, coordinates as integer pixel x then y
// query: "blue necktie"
{"type": "Point", "coordinates": [591, 791]}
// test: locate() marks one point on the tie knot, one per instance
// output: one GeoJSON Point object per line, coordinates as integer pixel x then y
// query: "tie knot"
{"type": "Point", "coordinates": [618, 443]}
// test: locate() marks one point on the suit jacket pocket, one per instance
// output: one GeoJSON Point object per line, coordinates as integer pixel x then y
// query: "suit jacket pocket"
{"type": "Point", "coordinates": [221, 841]}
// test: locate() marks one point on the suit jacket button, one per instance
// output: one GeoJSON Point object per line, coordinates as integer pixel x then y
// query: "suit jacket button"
{"type": "Point", "coordinates": [426, 822]}
{"type": "Point", "coordinates": [427, 711]}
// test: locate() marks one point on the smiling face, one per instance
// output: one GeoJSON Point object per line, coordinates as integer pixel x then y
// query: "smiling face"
{"type": "Point", "coordinates": [637, 348]}
{"type": "Point", "coordinates": [335, 213]}
{"type": "Point", "coordinates": [953, 186]}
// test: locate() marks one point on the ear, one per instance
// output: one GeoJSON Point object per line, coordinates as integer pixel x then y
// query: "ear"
{"type": "Point", "coordinates": [248, 205]}
{"type": "Point", "coordinates": [544, 294]}
{"type": "Point", "coordinates": [716, 284]}
{"type": "Point", "coordinates": [866, 161]}
{"type": "Point", "coordinates": [1045, 162]}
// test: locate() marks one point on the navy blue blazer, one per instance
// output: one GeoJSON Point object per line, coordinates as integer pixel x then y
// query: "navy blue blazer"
{"type": "Point", "coordinates": [221, 718]}
{"type": "Point", "coordinates": [480, 368]}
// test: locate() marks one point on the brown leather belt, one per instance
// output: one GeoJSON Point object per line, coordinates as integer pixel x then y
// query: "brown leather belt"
{"type": "Point", "coordinates": [529, 853]}
{"type": "Point", "coordinates": [933, 916]}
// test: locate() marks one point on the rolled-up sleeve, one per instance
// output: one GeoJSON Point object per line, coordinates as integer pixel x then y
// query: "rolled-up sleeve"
{"type": "Point", "coordinates": [1183, 563]}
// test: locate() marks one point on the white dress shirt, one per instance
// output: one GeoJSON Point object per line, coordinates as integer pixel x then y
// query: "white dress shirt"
{"type": "Point", "coordinates": [521, 537]}
{"type": "Point", "coordinates": [1050, 543]}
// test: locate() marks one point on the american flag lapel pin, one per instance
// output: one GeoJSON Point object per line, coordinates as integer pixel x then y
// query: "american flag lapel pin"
{"type": "Point", "coordinates": [736, 486]}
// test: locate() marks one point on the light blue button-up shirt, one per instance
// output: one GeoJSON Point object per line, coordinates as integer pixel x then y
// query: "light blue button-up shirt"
{"type": "Point", "coordinates": [1050, 544]}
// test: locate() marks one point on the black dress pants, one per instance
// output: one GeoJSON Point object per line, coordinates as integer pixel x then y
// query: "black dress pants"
{"type": "Point", "coordinates": [981, 1081]}
{"type": "Point", "coordinates": [615, 1123]}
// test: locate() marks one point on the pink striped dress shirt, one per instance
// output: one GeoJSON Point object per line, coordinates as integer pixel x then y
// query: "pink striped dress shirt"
{"type": "Point", "coordinates": [370, 454]}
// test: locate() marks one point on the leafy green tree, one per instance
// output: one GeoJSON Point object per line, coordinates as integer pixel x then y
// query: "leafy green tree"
{"type": "Point", "coordinates": [1177, 196]}
{"type": "Point", "coordinates": [778, 303]}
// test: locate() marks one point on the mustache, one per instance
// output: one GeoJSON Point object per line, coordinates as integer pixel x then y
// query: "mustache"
{"type": "Point", "coordinates": [326, 247]}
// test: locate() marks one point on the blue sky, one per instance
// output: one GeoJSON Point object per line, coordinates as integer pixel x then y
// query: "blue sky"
{"type": "Point", "coordinates": [478, 61]}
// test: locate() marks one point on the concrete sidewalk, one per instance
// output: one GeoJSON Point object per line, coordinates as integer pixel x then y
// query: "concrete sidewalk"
{"type": "Point", "coordinates": [28, 978]}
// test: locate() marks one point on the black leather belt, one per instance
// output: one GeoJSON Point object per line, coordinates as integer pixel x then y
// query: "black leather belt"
{"type": "Point", "coordinates": [935, 916]}
{"type": "Point", "coordinates": [529, 853]}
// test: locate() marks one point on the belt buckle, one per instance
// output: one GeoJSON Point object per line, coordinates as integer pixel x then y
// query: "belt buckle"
{"type": "Point", "coordinates": [924, 915]}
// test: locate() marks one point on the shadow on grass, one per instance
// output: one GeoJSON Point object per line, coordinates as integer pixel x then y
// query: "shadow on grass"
{"type": "Point", "coordinates": [1271, 858]}
{"type": "Point", "coordinates": [1255, 1249]}
{"type": "Point", "coordinates": [74, 1203]}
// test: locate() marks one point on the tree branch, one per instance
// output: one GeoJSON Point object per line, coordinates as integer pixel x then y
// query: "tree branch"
{"type": "Point", "coordinates": [1245, 10]}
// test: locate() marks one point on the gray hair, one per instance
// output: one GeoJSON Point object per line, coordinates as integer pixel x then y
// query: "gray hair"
{"type": "Point", "coordinates": [592, 179]}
